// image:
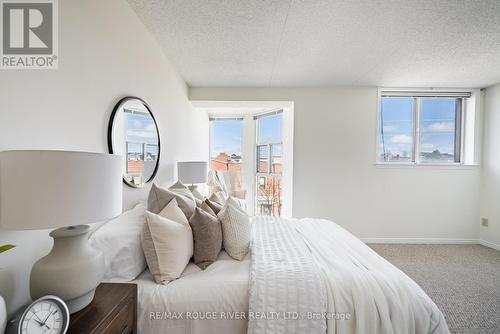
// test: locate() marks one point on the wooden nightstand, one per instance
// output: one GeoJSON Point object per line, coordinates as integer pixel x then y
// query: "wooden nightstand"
{"type": "Point", "coordinates": [113, 311]}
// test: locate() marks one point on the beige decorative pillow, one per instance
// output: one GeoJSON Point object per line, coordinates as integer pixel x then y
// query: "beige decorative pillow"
{"type": "Point", "coordinates": [216, 207]}
{"type": "Point", "coordinates": [218, 198]}
{"type": "Point", "coordinates": [181, 189]}
{"type": "Point", "coordinates": [167, 244]}
{"type": "Point", "coordinates": [205, 207]}
{"type": "Point", "coordinates": [173, 212]}
{"type": "Point", "coordinates": [160, 197]}
{"type": "Point", "coordinates": [207, 236]}
{"type": "Point", "coordinates": [236, 230]}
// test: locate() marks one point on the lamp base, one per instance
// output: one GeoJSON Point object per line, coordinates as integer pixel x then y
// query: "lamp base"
{"type": "Point", "coordinates": [72, 270]}
{"type": "Point", "coordinates": [78, 303]}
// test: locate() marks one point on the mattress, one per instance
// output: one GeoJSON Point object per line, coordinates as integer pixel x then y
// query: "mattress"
{"type": "Point", "coordinates": [212, 301]}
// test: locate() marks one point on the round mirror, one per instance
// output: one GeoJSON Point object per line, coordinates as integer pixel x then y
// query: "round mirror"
{"type": "Point", "coordinates": [133, 134]}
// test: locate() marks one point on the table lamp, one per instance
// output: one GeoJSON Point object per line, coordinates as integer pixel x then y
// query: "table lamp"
{"type": "Point", "coordinates": [191, 172]}
{"type": "Point", "coordinates": [62, 190]}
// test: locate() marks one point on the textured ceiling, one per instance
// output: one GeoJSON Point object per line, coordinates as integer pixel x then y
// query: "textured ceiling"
{"type": "Point", "coordinates": [260, 43]}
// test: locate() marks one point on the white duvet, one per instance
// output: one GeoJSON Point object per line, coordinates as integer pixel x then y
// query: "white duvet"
{"type": "Point", "coordinates": [365, 294]}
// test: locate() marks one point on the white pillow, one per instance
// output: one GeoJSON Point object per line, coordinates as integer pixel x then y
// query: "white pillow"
{"type": "Point", "coordinates": [120, 241]}
{"type": "Point", "coordinates": [167, 244]}
{"type": "Point", "coordinates": [197, 195]}
{"type": "Point", "coordinates": [236, 230]}
{"type": "Point", "coordinates": [238, 203]}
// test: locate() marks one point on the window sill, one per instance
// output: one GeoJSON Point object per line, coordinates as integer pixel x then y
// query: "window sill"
{"type": "Point", "coordinates": [424, 165]}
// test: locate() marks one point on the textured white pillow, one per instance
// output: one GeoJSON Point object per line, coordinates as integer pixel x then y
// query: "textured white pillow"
{"type": "Point", "coordinates": [236, 230]}
{"type": "Point", "coordinates": [167, 244]}
{"type": "Point", "coordinates": [236, 202]}
{"type": "Point", "coordinates": [119, 240]}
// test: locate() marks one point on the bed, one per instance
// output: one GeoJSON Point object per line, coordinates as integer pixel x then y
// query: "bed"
{"type": "Point", "coordinates": [221, 288]}
{"type": "Point", "coordinates": [301, 276]}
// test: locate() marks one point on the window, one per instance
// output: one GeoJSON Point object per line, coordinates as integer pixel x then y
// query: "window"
{"type": "Point", "coordinates": [440, 130]}
{"type": "Point", "coordinates": [396, 129]}
{"type": "Point", "coordinates": [421, 128]}
{"type": "Point", "coordinates": [226, 147]}
{"type": "Point", "coordinates": [269, 163]}
{"type": "Point", "coordinates": [262, 182]}
{"type": "Point", "coordinates": [260, 134]}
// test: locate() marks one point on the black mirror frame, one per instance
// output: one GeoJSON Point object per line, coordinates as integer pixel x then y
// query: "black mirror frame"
{"type": "Point", "coordinates": [117, 107]}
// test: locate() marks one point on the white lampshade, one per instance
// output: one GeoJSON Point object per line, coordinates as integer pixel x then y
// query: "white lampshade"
{"type": "Point", "coordinates": [51, 189]}
{"type": "Point", "coordinates": [192, 171]}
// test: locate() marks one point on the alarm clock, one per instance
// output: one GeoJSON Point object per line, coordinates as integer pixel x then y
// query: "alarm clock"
{"type": "Point", "coordinates": [46, 315]}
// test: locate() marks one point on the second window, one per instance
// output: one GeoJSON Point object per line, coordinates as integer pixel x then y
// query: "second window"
{"type": "Point", "coordinates": [420, 129]}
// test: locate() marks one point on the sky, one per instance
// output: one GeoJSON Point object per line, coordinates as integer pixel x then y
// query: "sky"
{"type": "Point", "coordinates": [437, 125]}
{"type": "Point", "coordinates": [141, 129]}
{"type": "Point", "coordinates": [227, 135]}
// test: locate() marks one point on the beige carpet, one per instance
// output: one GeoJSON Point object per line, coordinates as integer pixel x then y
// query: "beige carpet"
{"type": "Point", "coordinates": [463, 281]}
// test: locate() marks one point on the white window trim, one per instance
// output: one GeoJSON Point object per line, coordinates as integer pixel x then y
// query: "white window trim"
{"type": "Point", "coordinates": [470, 136]}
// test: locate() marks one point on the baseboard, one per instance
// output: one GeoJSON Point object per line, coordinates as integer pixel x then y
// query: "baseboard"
{"type": "Point", "coordinates": [446, 241]}
{"type": "Point", "coordinates": [489, 244]}
{"type": "Point", "coordinates": [450, 241]}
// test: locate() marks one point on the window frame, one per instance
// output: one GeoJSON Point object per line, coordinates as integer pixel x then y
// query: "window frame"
{"type": "Point", "coordinates": [269, 146]}
{"type": "Point", "coordinates": [418, 95]}
{"type": "Point", "coordinates": [269, 171]}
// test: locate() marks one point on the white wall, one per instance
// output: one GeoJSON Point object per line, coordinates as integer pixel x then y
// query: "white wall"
{"type": "Point", "coordinates": [490, 178]}
{"type": "Point", "coordinates": [335, 176]}
{"type": "Point", "coordinates": [105, 53]}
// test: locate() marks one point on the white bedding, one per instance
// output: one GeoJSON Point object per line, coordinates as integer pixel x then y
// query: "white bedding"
{"type": "Point", "coordinates": [365, 293]}
{"type": "Point", "coordinates": [320, 267]}
{"type": "Point", "coordinates": [284, 282]}
{"type": "Point", "coordinates": [221, 288]}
